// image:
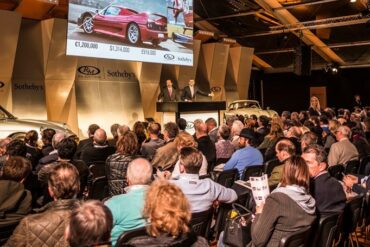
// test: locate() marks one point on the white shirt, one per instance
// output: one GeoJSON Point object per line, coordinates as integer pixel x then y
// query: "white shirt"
{"type": "Point", "coordinates": [192, 91]}
{"type": "Point", "coordinates": [202, 171]}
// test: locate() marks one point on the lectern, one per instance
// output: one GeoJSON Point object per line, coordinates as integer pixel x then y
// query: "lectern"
{"type": "Point", "coordinates": [193, 110]}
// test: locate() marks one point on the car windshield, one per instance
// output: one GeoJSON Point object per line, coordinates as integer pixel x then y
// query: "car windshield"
{"type": "Point", "coordinates": [112, 11]}
{"type": "Point", "coordinates": [246, 104]}
{"type": "Point", "coordinates": [4, 114]}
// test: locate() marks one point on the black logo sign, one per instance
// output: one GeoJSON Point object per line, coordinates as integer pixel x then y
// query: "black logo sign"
{"type": "Point", "coordinates": [2, 84]}
{"type": "Point", "coordinates": [189, 125]}
{"type": "Point", "coordinates": [169, 57]}
{"type": "Point", "coordinates": [215, 89]}
{"type": "Point", "coordinates": [89, 70]}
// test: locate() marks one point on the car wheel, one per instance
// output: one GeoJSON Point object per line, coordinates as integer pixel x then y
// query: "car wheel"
{"type": "Point", "coordinates": [87, 24]}
{"type": "Point", "coordinates": [133, 33]}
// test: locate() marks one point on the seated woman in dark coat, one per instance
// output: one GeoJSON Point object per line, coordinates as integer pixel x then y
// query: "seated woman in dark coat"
{"type": "Point", "coordinates": [288, 208]}
{"type": "Point", "coordinates": [168, 213]}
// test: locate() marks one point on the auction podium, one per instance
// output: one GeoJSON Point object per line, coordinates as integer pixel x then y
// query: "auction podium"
{"type": "Point", "coordinates": [191, 110]}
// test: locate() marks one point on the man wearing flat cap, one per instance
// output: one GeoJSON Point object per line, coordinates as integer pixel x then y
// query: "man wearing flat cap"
{"type": "Point", "coordinates": [247, 155]}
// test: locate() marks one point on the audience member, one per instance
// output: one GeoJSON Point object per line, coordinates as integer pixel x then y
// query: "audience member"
{"type": "Point", "coordinates": [139, 130]}
{"type": "Point", "coordinates": [87, 142]}
{"type": "Point", "coordinates": [294, 134]}
{"type": "Point", "coordinates": [270, 140]}
{"type": "Point", "coordinates": [99, 151]}
{"type": "Point", "coordinates": [33, 152]}
{"type": "Point", "coordinates": [90, 225]}
{"type": "Point", "coordinates": [284, 150]}
{"type": "Point", "coordinates": [168, 215]}
{"type": "Point", "coordinates": [314, 109]}
{"type": "Point", "coordinates": [327, 191]}
{"type": "Point", "coordinates": [212, 129]}
{"type": "Point", "coordinates": [47, 138]}
{"type": "Point", "coordinates": [182, 124]}
{"type": "Point", "coordinates": [224, 147]}
{"type": "Point", "coordinates": [183, 140]}
{"type": "Point", "coordinates": [287, 209]}
{"type": "Point", "coordinates": [205, 145]}
{"type": "Point", "coordinates": [117, 163]}
{"type": "Point", "coordinates": [247, 155]}
{"type": "Point", "coordinates": [308, 139]}
{"type": "Point", "coordinates": [149, 147]}
{"type": "Point", "coordinates": [53, 155]}
{"type": "Point", "coordinates": [201, 193]}
{"type": "Point", "coordinates": [262, 129]}
{"type": "Point", "coordinates": [15, 200]}
{"type": "Point", "coordinates": [329, 137]}
{"type": "Point", "coordinates": [114, 130]}
{"type": "Point", "coordinates": [3, 143]}
{"type": "Point", "coordinates": [342, 151]}
{"type": "Point", "coordinates": [167, 156]}
{"type": "Point", "coordinates": [46, 228]}
{"type": "Point", "coordinates": [285, 115]}
{"type": "Point", "coordinates": [139, 174]}
{"type": "Point", "coordinates": [236, 128]}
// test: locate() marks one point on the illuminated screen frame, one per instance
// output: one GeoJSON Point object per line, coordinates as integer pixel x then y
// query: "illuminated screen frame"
{"type": "Point", "coordinates": [158, 31]}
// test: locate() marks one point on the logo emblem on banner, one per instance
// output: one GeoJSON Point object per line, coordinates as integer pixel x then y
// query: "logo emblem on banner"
{"type": "Point", "coordinates": [2, 84]}
{"type": "Point", "coordinates": [89, 70]}
{"type": "Point", "coordinates": [169, 56]}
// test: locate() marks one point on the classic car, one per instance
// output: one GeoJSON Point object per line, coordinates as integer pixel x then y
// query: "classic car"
{"type": "Point", "coordinates": [247, 108]}
{"type": "Point", "coordinates": [10, 126]}
{"type": "Point", "coordinates": [125, 23]}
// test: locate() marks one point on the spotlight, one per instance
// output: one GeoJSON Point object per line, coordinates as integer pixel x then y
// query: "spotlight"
{"type": "Point", "coordinates": [353, 1]}
{"type": "Point", "coordinates": [331, 68]}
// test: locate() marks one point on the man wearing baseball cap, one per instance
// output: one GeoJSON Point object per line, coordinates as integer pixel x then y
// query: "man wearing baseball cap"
{"type": "Point", "coordinates": [247, 155]}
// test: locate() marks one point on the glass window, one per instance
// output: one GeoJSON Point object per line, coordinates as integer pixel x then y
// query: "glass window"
{"type": "Point", "coordinates": [112, 11]}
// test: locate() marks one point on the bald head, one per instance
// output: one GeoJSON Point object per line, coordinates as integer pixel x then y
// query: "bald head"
{"type": "Point", "coordinates": [100, 137]}
{"type": "Point", "coordinates": [57, 138]}
{"type": "Point", "coordinates": [139, 171]}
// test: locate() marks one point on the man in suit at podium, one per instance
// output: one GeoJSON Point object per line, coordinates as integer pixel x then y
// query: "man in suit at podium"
{"type": "Point", "coordinates": [190, 92]}
{"type": "Point", "coordinates": [168, 93]}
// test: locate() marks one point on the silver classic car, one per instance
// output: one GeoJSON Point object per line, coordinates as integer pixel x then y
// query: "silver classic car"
{"type": "Point", "coordinates": [10, 126]}
{"type": "Point", "coordinates": [247, 108]}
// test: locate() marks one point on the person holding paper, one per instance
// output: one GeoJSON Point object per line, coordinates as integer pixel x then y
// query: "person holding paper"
{"type": "Point", "coordinates": [287, 209]}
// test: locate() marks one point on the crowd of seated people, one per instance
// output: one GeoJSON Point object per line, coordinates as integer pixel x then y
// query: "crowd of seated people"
{"type": "Point", "coordinates": [157, 177]}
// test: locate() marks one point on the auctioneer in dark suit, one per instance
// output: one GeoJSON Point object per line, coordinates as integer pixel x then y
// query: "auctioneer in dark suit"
{"type": "Point", "coordinates": [168, 94]}
{"type": "Point", "coordinates": [189, 95]}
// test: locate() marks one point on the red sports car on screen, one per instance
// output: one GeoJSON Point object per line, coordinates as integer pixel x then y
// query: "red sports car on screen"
{"type": "Point", "coordinates": [126, 23]}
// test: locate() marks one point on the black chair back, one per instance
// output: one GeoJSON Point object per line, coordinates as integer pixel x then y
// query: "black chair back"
{"type": "Point", "coordinates": [352, 167]}
{"type": "Point", "coordinates": [252, 171]}
{"type": "Point", "coordinates": [201, 222]}
{"type": "Point", "coordinates": [98, 190]}
{"type": "Point", "coordinates": [221, 216]}
{"type": "Point", "coordinates": [363, 164]}
{"type": "Point", "coordinates": [227, 178]}
{"type": "Point", "coordinates": [336, 171]}
{"type": "Point", "coordinates": [127, 236]}
{"type": "Point", "coordinates": [97, 169]}
{"type": "Point", "coordinates": [270, 165]}
{"type": "Point", "coordinates": [6, 232]}
{"type": "Point", "coordinates": [221, 161]}
{"type": "Point", "coordinates": [326, 230]}
{"type": "Point", "coordinates": [297, 239]}
{"type": "Point", "coordinates": [352, 214]}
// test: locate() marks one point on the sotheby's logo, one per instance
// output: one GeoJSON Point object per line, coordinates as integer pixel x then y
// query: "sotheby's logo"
{"type": "Point", "coordinates": [89, 70]}
{"type": "Point", "coordinates": [169, 56]}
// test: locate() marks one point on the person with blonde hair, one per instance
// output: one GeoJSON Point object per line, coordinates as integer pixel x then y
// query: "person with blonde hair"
{"type": "Point", "coordinates": [168, 214]}
{"type": "Point", "coordinates": [182, 140]}
{"type": "Point", "coordinates": [287, 209]}
{"type": "Point", "coordinates": [314, 109]}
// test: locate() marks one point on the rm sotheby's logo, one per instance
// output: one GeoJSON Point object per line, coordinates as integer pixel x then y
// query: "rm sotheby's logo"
{"type": "Point", "coordinates": [89, 70]}
{"type": "Point", "coordinates": [2, 84]}
{"type": "Point", "coordinates": [169, 56]}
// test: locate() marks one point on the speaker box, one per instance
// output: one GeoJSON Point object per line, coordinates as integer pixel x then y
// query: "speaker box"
{"type": "Point", "coordinates": [303, 60]}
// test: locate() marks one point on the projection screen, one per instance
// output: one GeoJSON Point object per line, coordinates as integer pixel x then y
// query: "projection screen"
{"type": "Point", "coordinates": [159, 31]}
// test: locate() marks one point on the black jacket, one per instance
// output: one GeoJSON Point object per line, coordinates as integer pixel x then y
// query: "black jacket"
{"type": "Point", "coordinates": [92, 154]}
{"type": "Point", "coordinates": [186, 94]}
{"type": "Point", "coordinates": [208, 148]}
{"type": "Point", "coordinates": [328, 193]}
